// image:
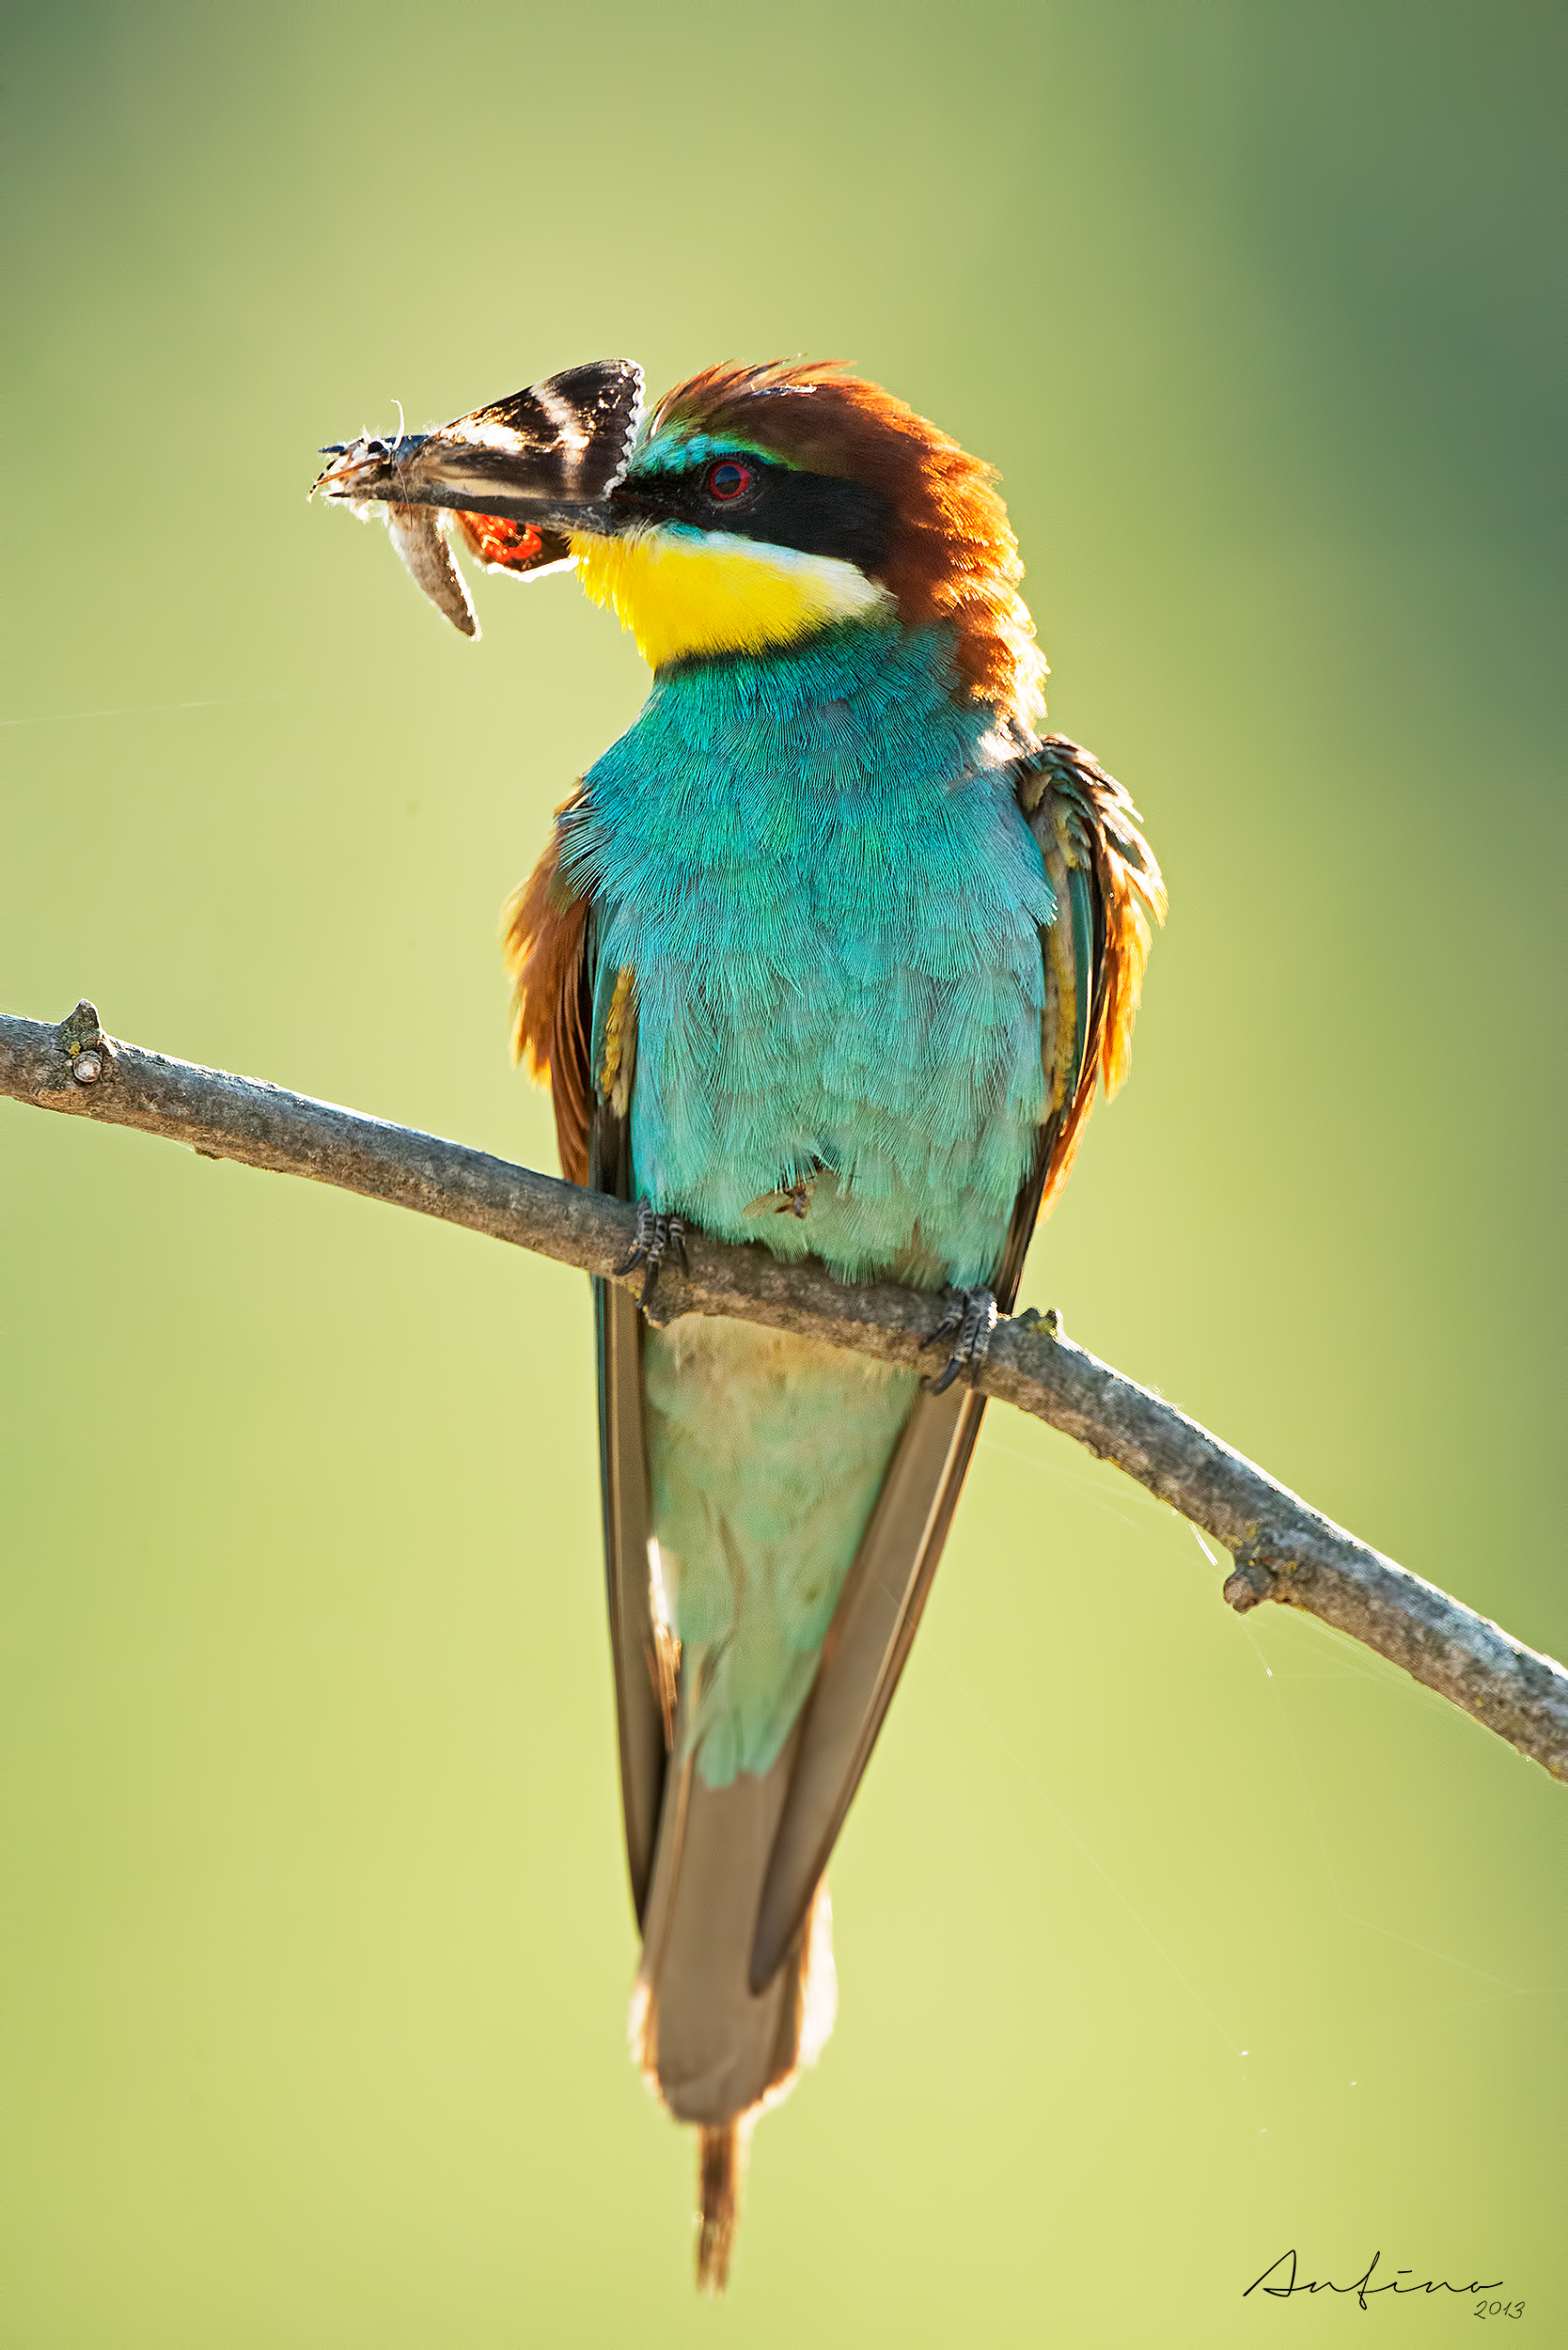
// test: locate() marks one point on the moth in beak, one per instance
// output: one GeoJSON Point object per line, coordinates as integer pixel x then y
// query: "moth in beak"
{"type": "Point", "coordinates": [513, 480]}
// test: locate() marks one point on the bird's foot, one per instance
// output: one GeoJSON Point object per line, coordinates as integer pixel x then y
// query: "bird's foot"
{"type": "Point", "coordinates": [972, 1315]}
{"type": "Point", "coordinates": [656, 1236]}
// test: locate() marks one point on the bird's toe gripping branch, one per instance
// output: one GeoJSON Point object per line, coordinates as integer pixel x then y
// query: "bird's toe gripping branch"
{"type": "Point", "coordinates": [972, 1314]}
{"type": "Point", "coordinates": [656, 1236]}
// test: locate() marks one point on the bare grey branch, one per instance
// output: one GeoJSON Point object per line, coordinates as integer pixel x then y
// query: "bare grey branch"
{"type": "Point", "coordinates": [1281, 1549]}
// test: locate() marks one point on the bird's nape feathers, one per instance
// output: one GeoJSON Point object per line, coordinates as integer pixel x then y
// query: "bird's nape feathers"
{"type": "Point", "coordinates": [954, 557]}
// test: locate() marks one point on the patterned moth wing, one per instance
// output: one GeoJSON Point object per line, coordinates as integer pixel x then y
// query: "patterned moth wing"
{"type": "Point", "coordinates": [577, 429]}
{"type": "Point", "coordinates": [511, 477]}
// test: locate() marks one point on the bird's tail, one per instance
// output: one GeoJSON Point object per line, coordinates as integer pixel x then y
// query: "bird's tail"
{"type": "Point", "coordinates": [714, 2050]}
{"type": "Point", "coordinates": [721, 2155]}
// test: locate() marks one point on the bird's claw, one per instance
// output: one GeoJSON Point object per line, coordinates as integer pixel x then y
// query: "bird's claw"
{"type": "Point", "coordinates": [972, 1315]}
{"type": "Point", "coordinates": [655, 1236]}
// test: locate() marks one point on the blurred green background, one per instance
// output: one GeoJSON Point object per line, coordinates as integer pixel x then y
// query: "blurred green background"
{"type": "Point", "coordinates": [1166, 1941]}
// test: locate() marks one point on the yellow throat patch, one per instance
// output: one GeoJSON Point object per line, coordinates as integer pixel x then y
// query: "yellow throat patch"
{"type": "Point", "coordinates": [681, 594]}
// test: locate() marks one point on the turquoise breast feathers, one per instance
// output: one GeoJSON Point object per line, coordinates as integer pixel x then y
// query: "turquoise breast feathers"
{"type": "Point", "coordinates": [814, 865]}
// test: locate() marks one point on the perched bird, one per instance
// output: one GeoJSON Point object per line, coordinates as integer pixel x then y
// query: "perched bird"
{"type": "Point", "coordinates": [826, 952]}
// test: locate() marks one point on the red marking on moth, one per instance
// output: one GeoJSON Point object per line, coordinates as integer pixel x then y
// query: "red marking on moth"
{"type": "Point", "coordinates": [511, 545]}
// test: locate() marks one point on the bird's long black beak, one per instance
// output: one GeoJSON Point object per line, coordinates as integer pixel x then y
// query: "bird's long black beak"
{"type": "Point", "coordinates": [550, 455]}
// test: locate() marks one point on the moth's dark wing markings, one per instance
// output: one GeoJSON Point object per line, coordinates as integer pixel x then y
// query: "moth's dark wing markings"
{"type": "Point", "coordinates": [583, 422]}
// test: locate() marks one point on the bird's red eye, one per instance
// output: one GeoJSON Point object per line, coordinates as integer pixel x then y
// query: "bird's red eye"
{"type": "Point", "coordinates": [726, 479]}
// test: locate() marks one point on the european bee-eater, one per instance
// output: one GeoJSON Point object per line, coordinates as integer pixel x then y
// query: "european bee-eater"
{"type": "Point", "coordinates": [827, 953]}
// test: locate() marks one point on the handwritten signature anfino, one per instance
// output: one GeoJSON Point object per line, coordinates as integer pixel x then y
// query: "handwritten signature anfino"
{"type": "Point", "coordinates": [1363, 2287]}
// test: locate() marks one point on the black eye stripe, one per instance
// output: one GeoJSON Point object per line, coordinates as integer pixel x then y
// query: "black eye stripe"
{"type": "Point", "coordinates": [811, 514]}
